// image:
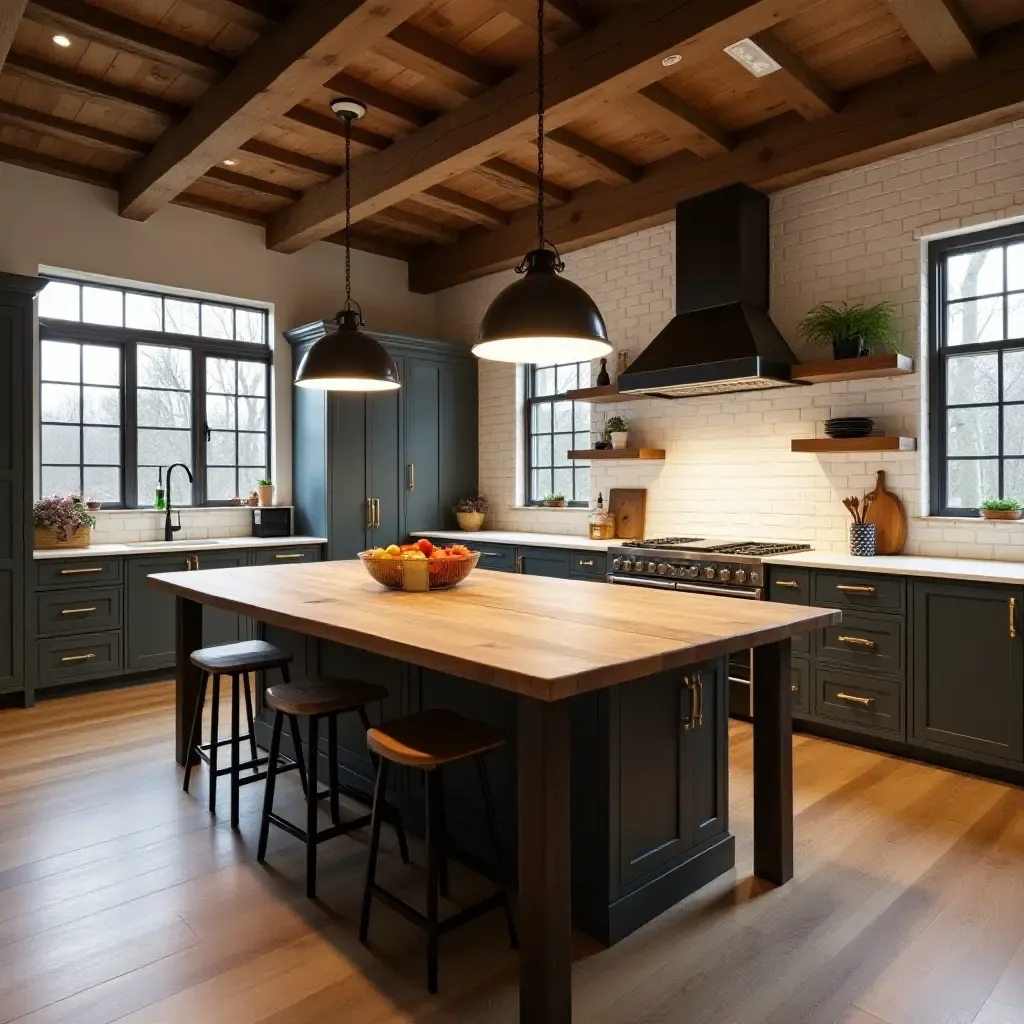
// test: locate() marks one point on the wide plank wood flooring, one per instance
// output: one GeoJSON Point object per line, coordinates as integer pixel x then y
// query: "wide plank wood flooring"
{"type": "Point", "coordinates": [121, 900]}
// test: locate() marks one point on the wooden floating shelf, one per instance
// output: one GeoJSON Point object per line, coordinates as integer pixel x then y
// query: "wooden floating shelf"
{"type": "Point", "coordinates": [854, 444]}
{"type": "Point", "coordinates": [598, 395]}
{"type": "Point", "coordinates": [649, 454]}
{"type": "Point", "coordinates": [862, 368]}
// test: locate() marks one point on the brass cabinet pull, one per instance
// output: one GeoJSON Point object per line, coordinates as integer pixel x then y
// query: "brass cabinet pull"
{"type": "Point", "coordinates": [376, 513]}
{"type": "Point", "coordinates": [295, 554]}
{"type": "Point", "coordinates": [695, 686]}
{"type": "Point", "coordinates": [191, 563]}
{"type": "Point", "coordinates": [78, 657]}
{"type": "Point", "coordinates": [857, 641]}
{"type": "Point", "coordinates": [587, 562]}
{"type": "Point", "coordinates": [412, 476]}
{"type": "Point", "coordinates": [369, 513]}
{"type": "Point", "coordinates": [519, 564]}
{"type": "Point", "coordinates": [493, 554]}
{"type": "Point", "coordinates": [1013, 618]}
{"type": "Point", "coordinates": [78, 572]}
{"type": "Point", "coordinates": [698, 717]}
{"type": "Point", "coordinates": [794, 687]}
{"type": "Point", "coordinates": [866, 702]}
{"type": "Point", "coordinates": [787, 583]}
{"type": "Point", "coordinates": [855, 588]}
{"type": "Point", "coordinates": [77, 611]}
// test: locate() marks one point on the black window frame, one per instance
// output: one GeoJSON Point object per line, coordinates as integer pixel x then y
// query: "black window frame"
{"type": "Point", "coordinates": [532, 400]}
{"type": "Point", "coordinates": [128, 339]}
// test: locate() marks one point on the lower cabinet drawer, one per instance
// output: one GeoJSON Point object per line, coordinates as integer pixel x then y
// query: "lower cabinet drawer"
{"type": "Point", "coordinates": [865, 642]}
{"type": "Point", "coordinates": [73, 658]}
{"type": "Point", "coordinates": [77, 572]}
{"type": "Point", "coordinates": [495, 556]}
{"type": "Point", "coordinates": [78, 611]}
{"type": "Point", "coordinates": [588, 565]}
{"type": "Point", "coordinates": [285, 556]}
{"type": "Point", "coordinates": [800, 685]}
{"type": "Point", "coordinates": [853, 699]}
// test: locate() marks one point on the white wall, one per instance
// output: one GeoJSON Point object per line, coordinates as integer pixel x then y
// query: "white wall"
{"type": "Point", "coordinates": [47, 221]}
{"type": "Point", "coordinates": [729, 471]}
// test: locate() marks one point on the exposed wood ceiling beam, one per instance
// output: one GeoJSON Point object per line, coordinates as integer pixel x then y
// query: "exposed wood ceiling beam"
{"type": "Point", "coordinates": [419, 51]}
{"type": "Point", "coordinates": [939, 29]}
{"type": "Point", "coordinates": [72, 131]}
{"type": "Point", "coordinates": [621, 55]}
{"type": "Point", "coordinates": [526, 12]}
{"type": "Point", "coordinates": [903, 111]}
{"type": "Point", "coordinates": [802, 89]}
{"type": "Point", "coordinates": [289, 160]}
{"type": "Point", "coordinates": [10, 18]}
{"type": "Point", "coordinates": [375, 244]}
{"type": "Point", "coordinates": [249, 184]}
{"type": "Point", "coordinates": [100, 25]}
{"type": "Point", "coordinates": [609, 167]}
{"type": "Point", "coordinates": [258, 15]}
{"type": "Point", "coordinates": [523, 183]}
{"type": "Point", "coordinates": [205, 205]}
{"type": "Point", "coordinates": [414, 224]}
{"type": "Point", "coordinates": [378, 99]}
{"type": "Point", "coordinates": [673, 115]}
{"type": "Point", "coordinates": [447, 199]}
{"type": "Point", "coordinates": [53, 165]}
{"type": "Point", "coordinates": [330, 125]}
{"type": "Point", "coordinates": [279, 70]}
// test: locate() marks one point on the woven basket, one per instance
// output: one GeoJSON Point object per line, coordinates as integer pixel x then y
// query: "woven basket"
{"type": "Point", "coordinates": [419, 574]}
{"type": "Point", "coordinates": [470, 522]}
{"type": "Point", "coordinates": [45, 538]}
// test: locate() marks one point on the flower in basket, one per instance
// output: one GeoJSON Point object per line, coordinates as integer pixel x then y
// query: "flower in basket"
{"type": "Point", "coordinates": [478, 504]}
{"type": "Point", "coordinates": [62, 513]}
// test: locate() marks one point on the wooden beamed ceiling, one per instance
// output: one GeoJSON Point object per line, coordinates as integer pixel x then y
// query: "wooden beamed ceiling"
{"type": "Point", "coordinates": [222, 105]}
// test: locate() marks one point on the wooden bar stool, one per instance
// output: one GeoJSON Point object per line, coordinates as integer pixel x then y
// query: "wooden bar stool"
{"type": "Point", "coordinates": [236, 661]}
{"type": "Point", "coordinates": [429, 741]}
{"type": "Point", "coordinates": [317, 700]}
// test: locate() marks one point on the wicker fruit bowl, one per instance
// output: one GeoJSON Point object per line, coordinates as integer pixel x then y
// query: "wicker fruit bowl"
{"type": "Point", "coordinates": [419, 574]}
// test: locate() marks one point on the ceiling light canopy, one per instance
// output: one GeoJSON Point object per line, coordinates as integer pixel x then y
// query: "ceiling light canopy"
{"type": "Point", "coordinates": [542, 318]}
{"type": "Point", "coordinates": [671, 60]}
{"type": "Point", "coordinates": [62, 41]}
{"type": "Point", "coordinates": [753, 58]}
{"type": "Point", "coordinates": [348, 359]}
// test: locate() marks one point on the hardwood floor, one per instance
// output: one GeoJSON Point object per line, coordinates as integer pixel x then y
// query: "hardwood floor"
{"type": "Point", "coordinates": [121, 900]}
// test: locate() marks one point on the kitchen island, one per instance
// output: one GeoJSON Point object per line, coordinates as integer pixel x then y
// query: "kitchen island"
{"type": "Point", "coordinates": [643, 668]}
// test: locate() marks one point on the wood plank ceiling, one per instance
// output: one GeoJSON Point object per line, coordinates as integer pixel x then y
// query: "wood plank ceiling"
{"type": "Point", "coordinates": [222, 105]}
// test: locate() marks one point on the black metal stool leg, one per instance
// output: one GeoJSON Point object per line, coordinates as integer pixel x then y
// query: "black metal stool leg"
{"type": "Point", "coordinates": [236, 685]}
{"type": "Point", "coordinates": [214, 739]}
{"type": "Point", "coordinates": [433, 858]}
{"type": "Point", "coordinates": [492, 828]}
{"type": "Point", "coordinates": [332, 767]}
{"type": "Point", "coordinates": [293, 725]}
{"type": "Point", "coordinates": [442, 837]}
{"type": "Point", "coordinates": [249, 719]}
{"type": "Point", "coordinates": [195, 737]}
{"type": "Point", "coordinates": [379, 789]}
{"type": "Point", "coordinates": [391, 813]}
{"type": "Point", "coordinates": [268, 793]}
{"type": "Point", "coordinates": [311, 815]}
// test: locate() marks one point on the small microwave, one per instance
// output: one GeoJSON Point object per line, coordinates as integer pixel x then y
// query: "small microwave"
{"type": "Point", "coordinates": [271, 522]}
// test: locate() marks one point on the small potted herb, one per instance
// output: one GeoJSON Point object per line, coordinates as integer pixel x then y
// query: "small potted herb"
{"type": "Point", "coordinates": [851, 330]}
{"type": "Point", "coordinates": [1001, 508]}
{"type": "Point", "coordinates": [265, 489]}
{"type": "Point", "coordinates": [61, 521]}
{"type": "Point", "coordinates": [471, 513]}
{"type": "Point", "coordinates": [555, 500]}
{"type": "Point", "coordinates": [616, 430]}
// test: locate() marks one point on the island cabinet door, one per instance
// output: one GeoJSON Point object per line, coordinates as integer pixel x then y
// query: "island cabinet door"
{"type": "Point", "coordinates": [968, 668]}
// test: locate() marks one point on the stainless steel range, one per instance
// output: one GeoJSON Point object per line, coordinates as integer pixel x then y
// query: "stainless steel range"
{"type": "Point", "coordinates": [701, 566]}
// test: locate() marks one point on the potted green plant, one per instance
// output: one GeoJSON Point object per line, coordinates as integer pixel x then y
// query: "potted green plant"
{"type": "Point", "coordinates": [553, 500]}
{"type": "Point", "coordinates": [61, 521]}
{"type": "Point", "coordinates": [471, 512]}
{"type": "Point", "coordinates": [851, 330]}
{"type": "Point", "coordinates": [265, 489]}
{"type": "Point", "coordinates": [616, 430]}
{"type": "Point", "coordinates": [1001, 508]}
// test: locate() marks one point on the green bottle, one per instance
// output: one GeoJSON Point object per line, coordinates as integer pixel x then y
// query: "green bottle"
{"type": "Point", "coordinates": [159, 502]}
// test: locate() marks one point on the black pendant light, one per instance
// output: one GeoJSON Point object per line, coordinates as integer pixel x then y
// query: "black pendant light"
{"type": "Point", "coordinates": [348, 359]}
{"type": "Point", "coordinates": [543, 318]}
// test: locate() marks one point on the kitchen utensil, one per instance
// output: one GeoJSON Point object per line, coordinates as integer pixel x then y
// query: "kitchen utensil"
{"type": "Point", "coordinates": [889, 517]}
{"type": "Point", "coordinates": [408, 574]}
{"type": "Point", "coordinates": [629, 506]}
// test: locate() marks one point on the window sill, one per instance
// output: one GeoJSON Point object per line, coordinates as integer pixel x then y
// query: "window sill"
{"type": "Point", "coordinates": [548, 508]}
{"type": "Point", "coordinates": [967, 519]}
{"type": "Point", "coordinates": [190, 509]}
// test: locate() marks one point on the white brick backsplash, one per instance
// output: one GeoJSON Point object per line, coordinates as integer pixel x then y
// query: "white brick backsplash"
{"type": "Point", "coordinates": [123, 526]}
{"type": "Point", "coordinates": [858, 234]}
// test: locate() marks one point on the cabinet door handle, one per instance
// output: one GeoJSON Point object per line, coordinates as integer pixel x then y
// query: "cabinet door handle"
{"type": "Point", "coordinates": [78, 572]}
{"type": "Point", "coordinates": [412, 476]}
{"type": "Point", "coordinates": [77, 611]}
{"type": "Point", "coordinates": [855, 588]}
{"type": "Point", "coordinates": [1013, 618]}
{"type": "Point", "coordinates": [376, 513]}
{"type": "Point", "coordinates": [695, 685]}
{"type": "Point", "coordinates": [296, 554]}
{"type": "Point", "coordinates": [78, 657]}
{"type": "Point", "coordinates": [369, 513]}
{"type": "Point", "coordinates": [788, 583]}
{"type": "Point", "coordinates": [866, 702]}
{"type": "Point", "coordinates": [492, 554]}
{"type": "Point", "coordinates": [519, 564]}
{"type": "Point", "coordinates": [794, 687]}
{"type": "Point", "coordinates": [589, 563]}
{"type": "Point", "coordinates": [857, 641]}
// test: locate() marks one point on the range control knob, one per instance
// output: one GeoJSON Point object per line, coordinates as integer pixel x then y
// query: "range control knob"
{"type": "Point", "coordinates": [693, 572]}
{"type": "Point", "coordinates": [741, 575]}
{"type": "Point", "coordinates": [724, 575]}
{"type": "Point", "coordinates": [616, 564]}
{"type": "Point", "coordinates": [662, 568]}
{"type": "Point", "coordinates": [709, 573]}
{"type": "Point", "coordinates": [755, 577]}
{"type": "Point", "coordinates": [627, 565]}
{"type": "Point", "coordinates": [651, 567]}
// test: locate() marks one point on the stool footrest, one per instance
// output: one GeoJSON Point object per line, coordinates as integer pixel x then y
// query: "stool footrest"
{"type": "Point", "coordinates": [470, 913]}
{"type": "Point", "coordinates": [324, 834]}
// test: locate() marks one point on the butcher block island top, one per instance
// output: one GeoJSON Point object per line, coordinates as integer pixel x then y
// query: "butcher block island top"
{"type": "Point", "coordinates": [544, 638]}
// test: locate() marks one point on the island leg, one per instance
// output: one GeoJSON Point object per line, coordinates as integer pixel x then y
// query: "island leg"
{"type": "Point", "coordinates": [188, 637]}
{"type": "Point", "coordinates": [773, 764]}
{"type": "Point", "coordinates": [545, 911]}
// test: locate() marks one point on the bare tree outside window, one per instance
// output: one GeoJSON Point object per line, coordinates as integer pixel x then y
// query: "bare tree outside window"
{"type": "Point", "coordinates": [554, 427]}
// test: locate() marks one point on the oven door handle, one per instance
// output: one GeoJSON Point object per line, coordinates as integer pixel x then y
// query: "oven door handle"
{"type": "Point", "coordinates": [634, 581]}
{"type": "Point", "coordinates": [697, 588]}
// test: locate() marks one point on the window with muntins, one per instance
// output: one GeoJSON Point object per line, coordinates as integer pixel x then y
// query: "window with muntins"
{"type": "Point", "coordinates": [132, 381]}
{"type": "Point", "coordinates": [556, 426]}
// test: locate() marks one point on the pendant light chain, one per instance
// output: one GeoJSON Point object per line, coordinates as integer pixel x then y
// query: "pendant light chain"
{"type": "Point", "coordinates": [348, 212]}
{"type": "Point", "coordinates": [540, 124]}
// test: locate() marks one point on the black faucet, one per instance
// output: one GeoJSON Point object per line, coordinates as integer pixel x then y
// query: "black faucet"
{"type": "Point", "coordinates": [169, 530]}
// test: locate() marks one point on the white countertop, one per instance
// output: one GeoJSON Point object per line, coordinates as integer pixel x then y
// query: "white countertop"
{"type": "Point", "coordinates": [149, 547]}
{"type": "Point", "coordinates": [980, 570]}
{"type": "Point", "coordinates": [534, 540]}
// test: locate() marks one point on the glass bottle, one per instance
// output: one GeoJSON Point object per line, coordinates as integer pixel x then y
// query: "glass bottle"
{"type": "Point", "coordinates": [602, 523]}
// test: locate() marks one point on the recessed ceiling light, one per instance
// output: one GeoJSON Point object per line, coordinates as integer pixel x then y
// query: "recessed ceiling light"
{"type": "Point", "coordinates": [753, 58]}
{"type": "Point", "coordinates": [229, 163]}
{"type": "Point", "coordinates": [672, 60]}
{"type": "Point", "coordinates": [62, 41]}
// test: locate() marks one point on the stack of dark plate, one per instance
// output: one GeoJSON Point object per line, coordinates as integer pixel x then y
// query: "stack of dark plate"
{"type": "Point", "coordinates": [849, 426]}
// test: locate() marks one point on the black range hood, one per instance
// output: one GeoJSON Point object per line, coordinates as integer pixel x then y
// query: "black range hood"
{"type": "Point", "coordinates": [721, 338]}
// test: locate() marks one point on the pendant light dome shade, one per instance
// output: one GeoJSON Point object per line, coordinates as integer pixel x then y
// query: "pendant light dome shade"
{"type": "Point", "coordinates": [348, 359]}
{"type": "Point", "coordinates": [542, 318]}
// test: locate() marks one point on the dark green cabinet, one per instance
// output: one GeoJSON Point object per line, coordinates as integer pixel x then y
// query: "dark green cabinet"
{"type": "Point", "coordinates": [150, 613]}
{"type": "Point", "coordinates": [558, 563]}
{"type": "Point", "coordinates": [968, 669]}
{"type": "Point", "coordinates": [543, 562]}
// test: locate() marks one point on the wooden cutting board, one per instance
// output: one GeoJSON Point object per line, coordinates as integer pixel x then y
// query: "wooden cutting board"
{"type": "Point", "coordinates": [629, 506]}
{"type": "Point", "coordinates": [889, 517]}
